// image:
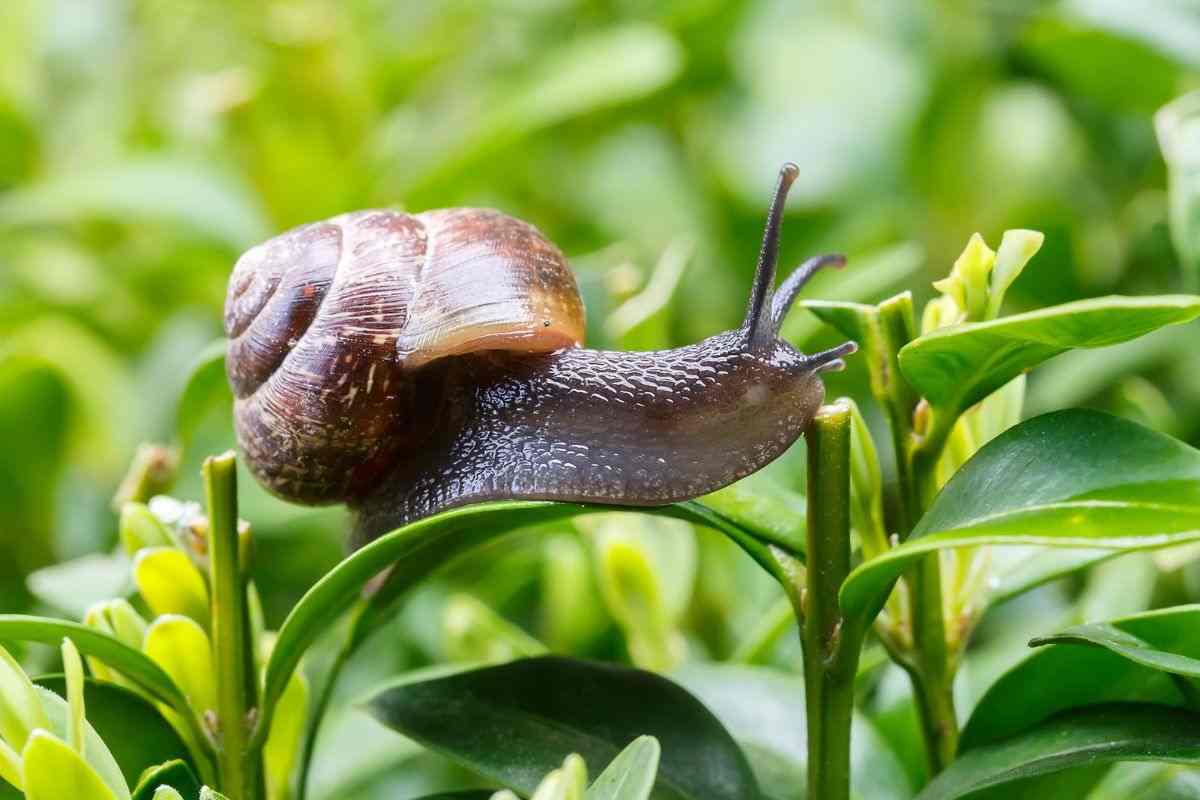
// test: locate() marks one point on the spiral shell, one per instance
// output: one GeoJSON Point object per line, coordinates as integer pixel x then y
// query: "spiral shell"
{"type": "Point", "coordinates": [330, 325]}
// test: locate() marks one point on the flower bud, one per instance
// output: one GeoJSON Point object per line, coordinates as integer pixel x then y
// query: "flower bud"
{"type": "Point", "coordinates": [171, 584]}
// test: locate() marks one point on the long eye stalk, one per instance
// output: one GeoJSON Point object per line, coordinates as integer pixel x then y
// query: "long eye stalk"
{"type": "Point", "coordinates": [757, 323]}
{"type": "Point", "coordinates": [789, 290]}
{"type": "Point", "coordinates": [768, 307]}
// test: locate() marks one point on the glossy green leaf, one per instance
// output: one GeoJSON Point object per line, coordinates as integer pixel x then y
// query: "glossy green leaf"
{"type": "Point", "coordinates": [513, 723]}
{"type": "Point", "coordinates": [205, 387]}
{"type": "Point", "coordinates": [764, 507]}
{"type": "Point", "coordinates": [1117, 732]}
{"type": "Point", "coordinates": [174, 775]}
{"type": "Point", "coordinates": [630, 776]}
{"type": "Point", "coordinates": [1059, 677]}
{"type": "Point", "coordinates": [133, 729]}
{"type": "Point", "coordinates": [52, 771]}
{"type": "Point", "coordinates": [130, 662]}
{"type": "Point", "coordinates": [1139, 651]}
{"type": "Point", "coordinates": [1072, 478]}
{"type": "Point", "coordinates": [957, 366]}
{"type": "Point", "coordinates": [417, 550]}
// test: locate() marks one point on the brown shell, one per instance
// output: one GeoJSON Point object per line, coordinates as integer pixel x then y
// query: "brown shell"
{"type": "Point", "coordinates": [330, 323]}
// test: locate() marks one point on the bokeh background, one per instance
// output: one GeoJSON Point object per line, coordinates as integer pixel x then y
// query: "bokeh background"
{"type": "Point", "coordinates": [144, 144]}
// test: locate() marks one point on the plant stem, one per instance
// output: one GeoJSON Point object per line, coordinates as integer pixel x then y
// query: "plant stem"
{"type": "Point", "coordinates": [933, 662]}
{"type": "Point", "coordinates": [897, 327]}
{"type": "Point", "coordinates": [239, 766]}
{"type": "Point", "coordinates": [831, 647]}
{"type": "Point", "coordinates": [933, 671]}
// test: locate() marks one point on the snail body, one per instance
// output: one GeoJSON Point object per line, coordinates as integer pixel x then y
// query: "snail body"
{"type": "Point", "coordinates": [406, 364]}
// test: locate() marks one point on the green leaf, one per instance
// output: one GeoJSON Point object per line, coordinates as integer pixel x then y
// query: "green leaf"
{"type": "Point", "coordinates": [766, 508]}
{"type": "Point", "coordinates": [20, 710]}
{"type": "Point", "coordinates": [53, 771]}
{"type": "Point", "coordinates": [137, 735]}
{"type": "Point", "coordinates": [630, 776]}
{"type": "Point", "coordinates": [417, 550]}
{"type": "Point", "coordinates": [95, 751]}
{"type": "Point", "coordinates": [514, 723]}
{"type": "Point", "coordinates": [1101, 734]}
{"type": "Point", "coordinates": [957, 366]}
{"type": "Point", "coordinates": [1057, 678]}
{"type": "Point", "coordinates": [173, 774]}
{"type": "Point", "coordinates": [1139, 651]}
{"type": "Point", "coordinates": [1071, 478]}
{"type": "Point", "coordinates": [206, 386]}
{"type": "Point", "coordinates": [131, 663]}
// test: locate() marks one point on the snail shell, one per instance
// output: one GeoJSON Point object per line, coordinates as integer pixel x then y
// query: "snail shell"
{"type": "Point", "coordinates": [328, 323]}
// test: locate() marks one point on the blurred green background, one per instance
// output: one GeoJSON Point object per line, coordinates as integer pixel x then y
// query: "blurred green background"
{"type": "Point", "coordinates": [144, 144]}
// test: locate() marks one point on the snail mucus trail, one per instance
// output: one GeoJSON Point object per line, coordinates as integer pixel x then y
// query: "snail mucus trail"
{"type": "Point", "coordinates": [407, 364]}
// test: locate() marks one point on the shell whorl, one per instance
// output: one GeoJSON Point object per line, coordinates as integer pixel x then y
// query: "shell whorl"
{"type": "Point", "coordinates": [330, 324]}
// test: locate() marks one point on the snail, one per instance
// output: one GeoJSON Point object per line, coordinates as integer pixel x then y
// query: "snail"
{"type": "Point", "coordinates": [405, 364]}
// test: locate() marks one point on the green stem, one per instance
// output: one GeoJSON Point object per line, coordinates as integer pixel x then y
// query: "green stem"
{"type": "Point", "coordinates": [318, 714]}
{"type": "Point", "coordinates": [239, 765]}
{"type": "Point", "coordinates": [897, 327]}
{"type": "Point", "coordinates": [933, 662]}
{"type": "Point", "coordinates": [933, 670]}
{"type": "Point", "coordinates": [832, 645]}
